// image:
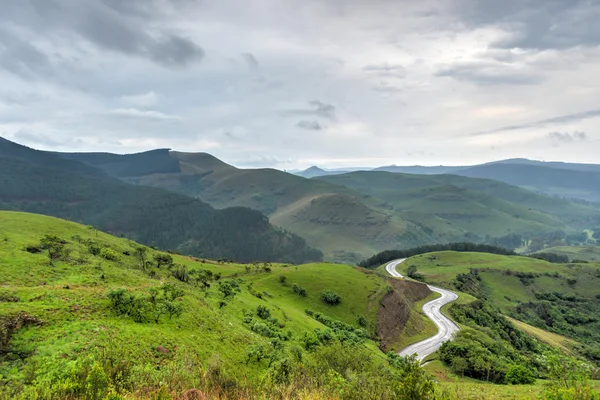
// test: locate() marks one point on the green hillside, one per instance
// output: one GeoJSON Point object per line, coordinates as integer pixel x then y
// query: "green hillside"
{"type": "Point", "coordinates": [39, 182]}
{"type": "Point", "coordinates": [85, 313]}
{"type": "Point", "coordinates": [560, 298]}
{"type": "Point", "coordinates": [555, 181]}
{"type": "Point", "coordinates": [583, 253]}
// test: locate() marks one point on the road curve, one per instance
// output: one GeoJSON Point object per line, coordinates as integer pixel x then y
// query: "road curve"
{"type": "Point", "coordinates": [446, 328]}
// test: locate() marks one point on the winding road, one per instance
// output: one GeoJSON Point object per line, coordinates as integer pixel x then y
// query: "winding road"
{"type": "Point", "coordinates": [446, 328]}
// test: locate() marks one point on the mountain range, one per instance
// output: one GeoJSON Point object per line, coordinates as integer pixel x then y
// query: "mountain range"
{"type": "Point", "coordinates": [348, 216]}
{"type": "Point", "coordinates": [560, 179]}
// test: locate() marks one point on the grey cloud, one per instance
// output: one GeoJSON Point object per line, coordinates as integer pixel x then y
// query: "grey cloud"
{"type": "Point", "coordinates": [489, 73]}
{"type": "Point", "coordinates": [319, 109]}
{"type": "Point", "coordinates": [21, 57]}
{"type": "Point", "coordinates": [143, 114]}
{"type": "Point", "coordinates": [44, 140]}
{"type": "Point", "coordinates": [537, 24]}
{"type": "Point", "coordinates": [556, 120]}
{"type": "Point", "coordinates": [386, 88]}
{"type": "Point", "coordinates": [565, 137]}
{"type": "Point", "coordinates": [323, 109]}
{"type": "Point", "coordinates": [112, 28]}
{"type": "Point", "coordinates": [309, 125]}
{"type": "Point", "coordinates": [21, 99]}
{"type": "Point", "coordinates": [386, 69]}
{"type": "Point", "coordinates": [251, 60]}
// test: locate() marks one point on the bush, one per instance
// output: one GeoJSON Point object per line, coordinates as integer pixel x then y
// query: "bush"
{"type": "Point", "coordinates": [299, 290]}
{"type": "Point", "coordinates": [163, 259]}
{"type": "Point", "coordinates": [519, 375]}
{"type": "Point", "coordinates": [331, 298]}
{"type": "Point", "coordinates": [96, 383]}
{"type": "Point", "coordinates": [33, 248]}
{"type": "Point", "coordinates": [263, 312]}
{"type": "Point", "coordinates": [181, 273]}
{"type": "Point", "coordinates": [362, 321]}
{"type": "Point", "coordinates": [94, 249]}
{"type": "Point", "coordinates": [109, 254]}
{"type": "Point", "coordinates": [282, 279]}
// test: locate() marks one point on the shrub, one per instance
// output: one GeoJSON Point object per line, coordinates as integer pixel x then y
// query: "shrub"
{"type": "Point", "coordinates": [282, 279]}
{"type": "Point", "coordinates": [163, 259]}
{"type": "Point", "coordinates": [299, 290]}
{"type": "Point", "coordinates": [263, 312]}
{"type": "Point", "coordinates": [362, 321]}
{"type": "Point", "coordinates": [33, 248]}
{"type": "Point", "coordinates": [181, 273]}
{"type": "Point", "coordinates": [94, 249]}
{"type": "Point", "coordinates": [330, 297]}
{"type": "Point", "coordinates": [519, 375]}
{"type": "Point", "coordinates": [96, 383]}
{"type": "Point", "coordinates": [261, 329]}
{"type": "Point", "coordinates": [109, 254]}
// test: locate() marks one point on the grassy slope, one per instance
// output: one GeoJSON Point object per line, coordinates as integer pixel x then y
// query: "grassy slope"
{"type": "Point", "coordinates": [468, 202]}
{"type": "Point", "coordinates": [507, 290]}
{"type": "Point", "coordinates": [587, 253]}
{"type": "Point", "coordinates": [71, 301]}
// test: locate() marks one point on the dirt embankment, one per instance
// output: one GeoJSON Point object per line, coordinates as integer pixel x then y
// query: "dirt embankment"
{"type": "Point", "coordinates": [395, 313]}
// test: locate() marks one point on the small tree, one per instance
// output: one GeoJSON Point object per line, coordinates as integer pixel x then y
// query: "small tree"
{"type": "Point", "coordinates": [163, 259]}
{"type": "Point", "coordinates": [331, 298]}
{"type": "Point", "coordinates": [282, 279]}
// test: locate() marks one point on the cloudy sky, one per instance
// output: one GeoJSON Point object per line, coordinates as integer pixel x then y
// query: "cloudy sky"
{"type": "Point", "coordinates": [292, 83]}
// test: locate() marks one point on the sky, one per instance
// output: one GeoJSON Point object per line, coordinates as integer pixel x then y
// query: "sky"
{"type": "Point", "coordinates": [294, 83]}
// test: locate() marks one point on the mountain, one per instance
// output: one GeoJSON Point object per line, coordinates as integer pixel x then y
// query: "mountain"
{"type": "Point", "coordinates": [419, 170]}
{"type": "Point", "coordinates": [551, 164]}
{"type": "Point", "coordinates": [476, 206]}
{"type": "Point", "coordinates": [561, 179]}
{"type": "Point", "coordinates": [351, 215]}
{"type": "Point", "coordinates": [315, 171]}
{"type": "Point", "coordinates": [551, 178]}
{"type": "Point", "coordinates": [45, 183]}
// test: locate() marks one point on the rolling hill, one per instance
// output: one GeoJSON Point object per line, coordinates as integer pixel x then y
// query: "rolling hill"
{"type": "Point", "coordinates": [552, 180]}
{"type": "Point", "coordinates": [336, 213]}
{"type": "Point", "coordinates": [88, 315]}
{"type": "Point", "coordinates": [560, 298]}
{"type": "Point", "coordinates": [347, 216]}
{"type": "Point", "coordinates": [44, 183]}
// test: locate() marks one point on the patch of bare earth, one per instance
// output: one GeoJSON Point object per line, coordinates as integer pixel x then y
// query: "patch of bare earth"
{"type": "Point", "coordinates": [395, 309]}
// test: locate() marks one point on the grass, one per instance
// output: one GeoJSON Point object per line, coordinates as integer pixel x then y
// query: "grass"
{"type": "Point", "coordinates": [459, 387]}
{"type": "Point", "coordinates": [586, 253]}
{"type": "Point", "coordinates": [550, 338]}
{"type": "Point", "coordinates": [70, 299]}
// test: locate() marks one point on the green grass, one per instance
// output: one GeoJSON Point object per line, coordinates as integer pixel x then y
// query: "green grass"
{"type": "Point", "coordinates": [586, 253]}
{"type": "Point", "coordinates": [558, 341]}
{"type": "Point", "coordinates": [70, 299]}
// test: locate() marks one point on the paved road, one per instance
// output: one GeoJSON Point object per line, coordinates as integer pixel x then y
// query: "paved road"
{"type": "Point", "coordinates": [446, 328]}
